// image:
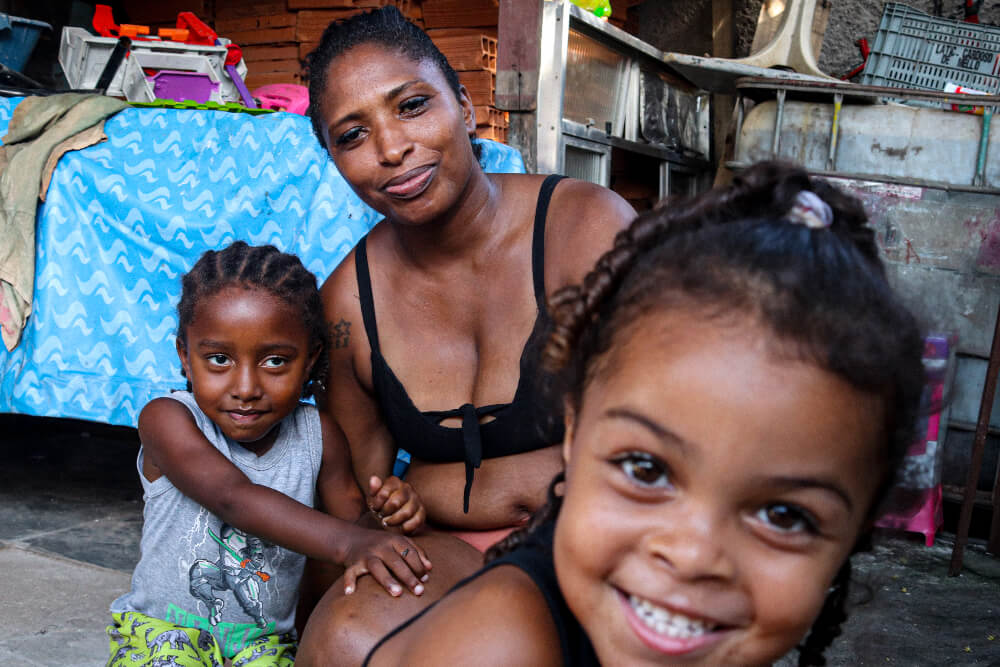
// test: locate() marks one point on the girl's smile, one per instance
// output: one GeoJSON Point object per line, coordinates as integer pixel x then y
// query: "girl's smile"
{"type": "Point", "coordinates": [247, 356]}
{"type": "Point", "coordinates": [729, 483]}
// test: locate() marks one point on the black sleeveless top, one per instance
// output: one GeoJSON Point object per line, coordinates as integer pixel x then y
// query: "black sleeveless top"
{"type": "Point", "coordinates": [534, 557]}
{"type": "Point", "coordinates": [522, 425]}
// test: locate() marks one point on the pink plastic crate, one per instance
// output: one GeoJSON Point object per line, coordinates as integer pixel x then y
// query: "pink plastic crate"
{"type": "Point", "coordinates": [289, 97]}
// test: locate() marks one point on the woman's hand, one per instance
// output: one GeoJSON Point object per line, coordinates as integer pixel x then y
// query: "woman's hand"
{"type": "Point", "coordinates": [396, 504]}
{"type": "Point", "coordinates": [383, 555]}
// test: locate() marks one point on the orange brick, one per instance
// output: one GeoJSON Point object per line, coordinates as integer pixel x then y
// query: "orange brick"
{"type": "Point", "coordinates": [293, 66]}
{"type": "Point", "coordinates": [267, 78]}
{"type": "Point", "coordinates": [460, 13]}
{"type": "Point", "coordinates": [469, 51]}
{"type": "Point", "coordinates": [312, 23]}
{"type": "Point", "coordinates": [280, 20]}
{"type": "Point", "coordinates": [263, 36]}
{"type": "Point", "coordinates": [337, 4]}
{"type": "Point", "coordinates": [255, 53]}
{"type": "Point", "coordinates": [230, 9]}
{"type": "Point", "coordinates": [480, 85]}
{"type": "Point", "coordinates": [305, 48]}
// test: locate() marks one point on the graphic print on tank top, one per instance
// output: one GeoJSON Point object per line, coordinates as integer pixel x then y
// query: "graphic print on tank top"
{"type": "Point", "coordinates": [229, 570]}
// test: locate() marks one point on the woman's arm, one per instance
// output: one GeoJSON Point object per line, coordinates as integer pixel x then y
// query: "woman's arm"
{"type": "Point", "coordinates": [349, 397]}
{"type": "Point", "coordinates": [175, 447]}
{"type": "Point", "coordinates": [500, 618]}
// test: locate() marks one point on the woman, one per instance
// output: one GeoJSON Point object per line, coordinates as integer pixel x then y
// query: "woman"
{"type": "Point", "coordinates": [437, 315]}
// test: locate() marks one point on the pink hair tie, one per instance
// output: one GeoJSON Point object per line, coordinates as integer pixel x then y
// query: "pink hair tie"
{"type": "Point", "coordinates": [810, 210]}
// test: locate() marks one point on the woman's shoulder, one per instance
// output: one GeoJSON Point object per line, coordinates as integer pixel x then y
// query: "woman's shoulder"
{"type": "Point", "coordinates": [499, 617]}
{"type": "Point", "coordinates": [582, 222]}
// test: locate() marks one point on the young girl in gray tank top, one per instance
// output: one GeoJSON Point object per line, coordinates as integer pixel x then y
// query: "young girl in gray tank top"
{"type": "Point", "coordinates": [232, 468]}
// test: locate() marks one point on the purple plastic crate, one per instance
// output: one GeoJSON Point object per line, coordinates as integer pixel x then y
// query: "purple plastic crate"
{"type": "Point", "coordinates": [178, 85]}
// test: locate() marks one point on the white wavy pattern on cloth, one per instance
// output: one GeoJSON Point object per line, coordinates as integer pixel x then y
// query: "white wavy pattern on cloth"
{"type": "Point", "coordinates": [125, 219]}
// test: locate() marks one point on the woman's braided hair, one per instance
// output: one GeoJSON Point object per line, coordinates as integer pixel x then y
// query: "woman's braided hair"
{"type": "Point", "coordinates": [733, 253]}
{"type": "Point", "coordinates": [265, 268]}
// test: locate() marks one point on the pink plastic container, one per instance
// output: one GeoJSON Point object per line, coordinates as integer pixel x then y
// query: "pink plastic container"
{"type": "Point", "coordinates": [289, 97]}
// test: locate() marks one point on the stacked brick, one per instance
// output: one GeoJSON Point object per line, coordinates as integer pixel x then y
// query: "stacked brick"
{"type": "Point", "coordinates": [277, 35]}
{"type": "Point", "coordinates": [466, 31]}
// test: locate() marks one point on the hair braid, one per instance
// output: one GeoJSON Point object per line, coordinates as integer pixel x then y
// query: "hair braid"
{"type": "Point", "coordinates": [826, 628]}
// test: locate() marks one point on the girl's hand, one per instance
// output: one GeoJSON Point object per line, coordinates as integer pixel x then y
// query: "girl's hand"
{"type": "Point", "coordinates": [396, 504]}
{"type": "Point", "coordinates": [383, 555]}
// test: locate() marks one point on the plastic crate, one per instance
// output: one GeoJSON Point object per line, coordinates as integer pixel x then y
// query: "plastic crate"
{"type": "Point", "coordinates": [83, 56]}
{"type": "Point", "coordinates": [916, 50]}
{"type": "Point", "coordinates": [18, 37]}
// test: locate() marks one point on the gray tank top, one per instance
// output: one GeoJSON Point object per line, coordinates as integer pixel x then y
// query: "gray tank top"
{"type": "Point", "coordinates": [197, 571]}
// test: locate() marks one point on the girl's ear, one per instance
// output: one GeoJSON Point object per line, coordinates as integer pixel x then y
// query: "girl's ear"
{"type": "Point", "coordinates": [182, 355]}
{"type": "Point", "coordinates": [468, 110]}
{"type": "Point", "coordinates": [569, 419]}
{"type": "Point", "coordinates": [313, 358]}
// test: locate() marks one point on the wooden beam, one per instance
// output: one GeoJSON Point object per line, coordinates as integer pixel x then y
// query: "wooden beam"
{"type": "Point", "coordinates": [518, 54]}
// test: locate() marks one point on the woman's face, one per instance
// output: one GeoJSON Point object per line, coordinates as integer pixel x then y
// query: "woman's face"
{"type": "Point", "coordinates": [713, 490]}
{"type": "Point", "coordinates": [397, 133]}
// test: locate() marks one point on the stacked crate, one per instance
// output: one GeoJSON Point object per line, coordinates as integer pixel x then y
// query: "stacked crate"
{"type": "Point", "coordinates": [466, 31]}
{"type": "Point", "coordinates": [277, 35]}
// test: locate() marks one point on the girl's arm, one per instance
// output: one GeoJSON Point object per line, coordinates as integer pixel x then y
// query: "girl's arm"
{"type": "Point", "coordinates": [175, 446]}
{"type": "Point", "coordinates": [500, 618]}
{"type": "Point", "coordinates": [340, 496]}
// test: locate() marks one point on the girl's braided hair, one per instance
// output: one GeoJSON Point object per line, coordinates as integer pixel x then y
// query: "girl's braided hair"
{"type": "Point", "coordinates": [265, 268]}
{"type": "Point", "coordinates": [733, 252]}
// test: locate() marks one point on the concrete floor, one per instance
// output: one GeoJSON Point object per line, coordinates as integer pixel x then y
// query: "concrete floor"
{"type": "Point", "coordinates": [71, 516]}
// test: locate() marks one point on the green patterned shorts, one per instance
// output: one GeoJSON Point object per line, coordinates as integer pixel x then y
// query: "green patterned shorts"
{"type": "Point", "coordinates": [138, 640]}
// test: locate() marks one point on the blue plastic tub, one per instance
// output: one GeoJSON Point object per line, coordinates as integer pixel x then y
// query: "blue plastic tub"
{"type": "Point", "coordinates": [18, 37]}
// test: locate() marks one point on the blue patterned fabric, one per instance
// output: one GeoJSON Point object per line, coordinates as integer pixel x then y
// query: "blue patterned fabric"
{"type": "Point", "coordinates": [125, 219]}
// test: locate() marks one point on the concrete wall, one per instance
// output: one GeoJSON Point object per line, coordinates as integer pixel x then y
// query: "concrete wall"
{"type": "Point", "coordinates": [684, 26]}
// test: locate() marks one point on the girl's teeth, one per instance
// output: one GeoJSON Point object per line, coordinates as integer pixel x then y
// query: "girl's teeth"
{"type": "Point", "coordinates": [671, 624]}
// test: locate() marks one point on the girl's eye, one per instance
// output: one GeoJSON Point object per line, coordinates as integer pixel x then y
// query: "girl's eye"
{"type": "Point", "coordinates": [217, 360]}
{"type": "Point", "coordinates": [644, 469]}
{"type": "Point", "coordinates": [275, 362]}
{"type": "Point", "coordinates": [787, 518]}
{"type": "Point", "coordinates": [347, 137]}
{"type": "Point", "coordinates": [413, 104]}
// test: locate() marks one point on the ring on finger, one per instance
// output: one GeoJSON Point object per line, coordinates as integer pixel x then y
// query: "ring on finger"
{"type": "Point", "coordinates": [405, 551]}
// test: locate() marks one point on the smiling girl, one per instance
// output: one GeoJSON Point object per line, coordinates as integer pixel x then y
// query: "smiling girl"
{"type": "Point", "coordinates": [231, 470]}
{"type": "Point", "coordinates": [740, 383]}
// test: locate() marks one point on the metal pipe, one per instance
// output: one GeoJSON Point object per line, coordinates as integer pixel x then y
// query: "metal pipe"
{"type": "Point", "coordinates": [978, 446]}
{"type": "Point", "coordinates": [778, 117]}
{"type": "Point", "coordinates": [984, 144]}
{"type": "Point", "coordinates": [838, 104]}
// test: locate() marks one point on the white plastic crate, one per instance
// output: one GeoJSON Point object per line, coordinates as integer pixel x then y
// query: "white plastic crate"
{"type": "Point", "coordinates": [137, 87]}
{"type": "Point", "coordinates": [83, 56]}
{"type": "Point", "coordinates": [916, 50]}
